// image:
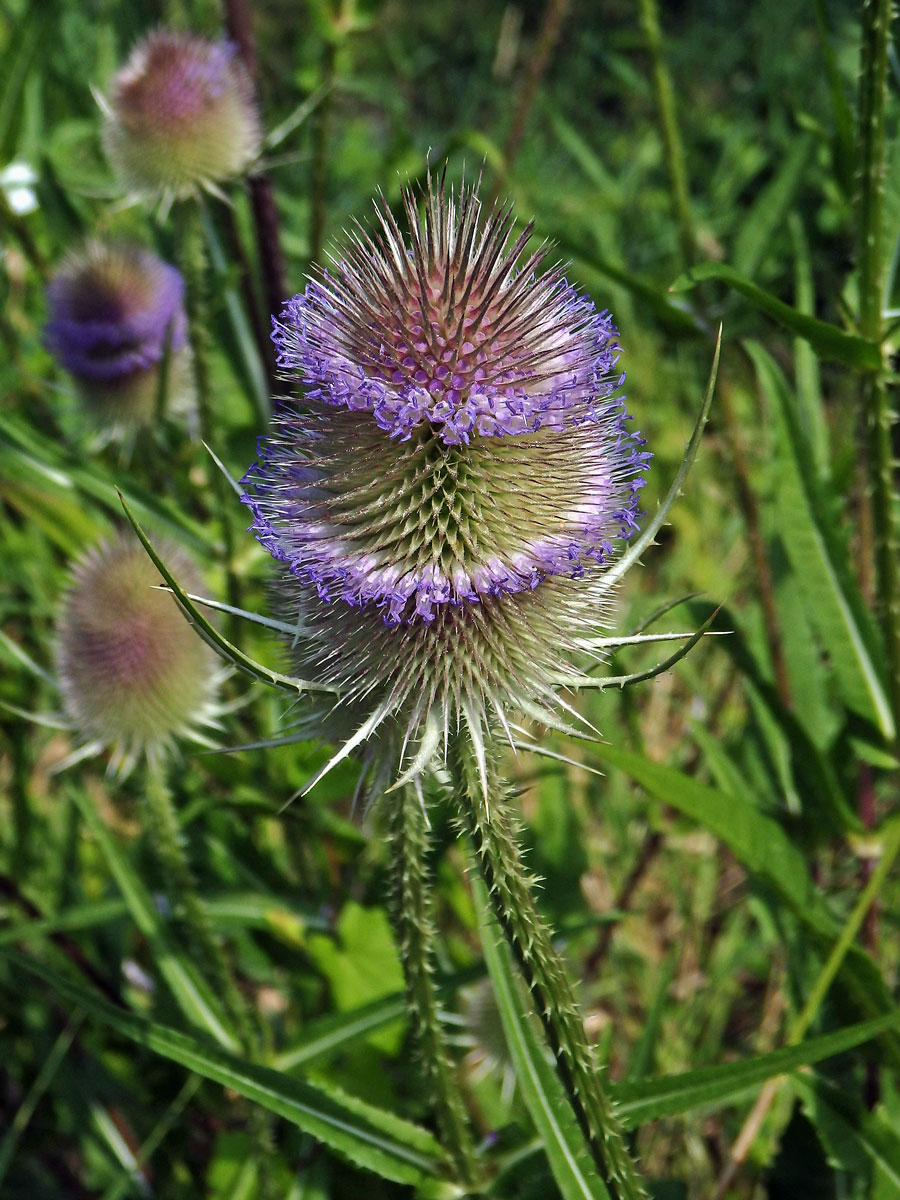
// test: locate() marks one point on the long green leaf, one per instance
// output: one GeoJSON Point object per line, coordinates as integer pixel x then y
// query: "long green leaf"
{"type": "Point", "coordinates": [649, 1099]}
{"type": "Point", "coordinates": [370, 1137]}
{"type": "Point", "coordinates": [855, 1140]}
{"type": "Point", "coordinates": [757, 841]}
{"type": "Point", "coordinates": [573, 1169]}
{"type": "Point", "coordinates": [833, 344]}
{"type": "Point", "coordinates": [770, 207]}
{"type": "Point", "coordinates": [833, 602]}
{"type": "Point", "coordinates": [194, 996]}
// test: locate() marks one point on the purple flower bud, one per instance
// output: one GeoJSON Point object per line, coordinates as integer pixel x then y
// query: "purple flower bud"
{"type": "Point", "coordinates": [114, 310]}
{"type": "Point", "coordinates": [133, 673]}
{"type": "Point", "coordinates": [456, 472]}
{"type": "Point", "coordinates": [181, 115]}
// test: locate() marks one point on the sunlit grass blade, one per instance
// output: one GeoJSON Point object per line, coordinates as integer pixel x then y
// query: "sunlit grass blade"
{"type": "Point", "coordinates": [650, 1099]}
{"type": "Point", "coordinates": [821, 562]}
{"type": "Point", "coordinates": [833, 344]}
{"type": "Point", "coordinates": [211, 635]}
{"type": "Point", "coordinates": [194, 996]}
{"type": "Point", "coordinates": [369, 1137]}
{"type": "Point", "coordinates": [573, 1169]}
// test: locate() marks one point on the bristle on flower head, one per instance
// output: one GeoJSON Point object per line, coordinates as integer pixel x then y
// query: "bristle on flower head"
{"type": "Point", "coordinates": [133, 674]}
{"type": "Point", "coordinates": [181, 115]}
{"type": "Point", "coordinates": [115, 315]}
{"type": "Point", "coordinates": [456, 472]}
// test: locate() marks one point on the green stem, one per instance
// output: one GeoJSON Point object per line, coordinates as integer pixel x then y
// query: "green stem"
{"type": "Point", "coordinates": [876, 20]}
{"type": "Point", "coordinates": [205, 947]}
{"type": "Point", "coordinates": [193, 264]}
{"type": "Point", "coordinates": [490, 823]}
{"type": "Point", "coordinates": [414, 928]}
{"type": "Point", "coordinates": [182, 894]}
{"type": "Point", "coordinates": [672, 144]}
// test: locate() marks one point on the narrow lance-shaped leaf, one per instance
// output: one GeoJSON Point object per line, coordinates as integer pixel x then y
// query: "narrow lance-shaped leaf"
{"type": "Point", "coordinates": [369, 1137]}
{"type": "Point", "coordinates": [834, 604]}
{"type": "Point", "coordinates": [833, 344]}
{"type": "Point", "coordinates": [573, 1169]}
{"type": "Point", "coordinates": [649, 1099]}
{"type": "Point", "coordinates": [763, 848]}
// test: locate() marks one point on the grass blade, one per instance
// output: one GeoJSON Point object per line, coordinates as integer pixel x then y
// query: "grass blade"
{"type": "Point", "coordinates": [574, 1172]}
{"type": "Point", "coordinates": [370, 1137]}
{"type": "Point", "coordinates": [833, 344]}
{"type": "Point", "coordinates": [649, 1099]}
{"type": "Point", "coordinates": [192, 993]}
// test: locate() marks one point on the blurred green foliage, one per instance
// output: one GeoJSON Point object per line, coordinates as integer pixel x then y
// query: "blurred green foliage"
{"type": "Point", "coordinates": [702, 882]}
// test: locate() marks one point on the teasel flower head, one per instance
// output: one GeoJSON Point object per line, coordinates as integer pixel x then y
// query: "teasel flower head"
{"type": "Point", "coordinates": [180, 116]}
{"type": "Point", "coordinates": [447, 488]}
{"type": "Point", "coordinates": [116, 321]}
{"type": "Point", "coordinates": [134, 676]}
{"type": "Point", "coordinates": [482, 1032]}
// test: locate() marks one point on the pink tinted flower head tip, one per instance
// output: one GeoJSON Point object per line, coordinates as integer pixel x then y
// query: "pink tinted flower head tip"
{"type": "Point", "coordinates": [180, 116]}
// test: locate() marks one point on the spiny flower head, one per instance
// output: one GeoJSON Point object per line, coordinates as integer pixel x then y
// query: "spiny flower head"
{"type": "Point", "coordinates": [115, 312]}
{"type": "Point", "coordinates": [133, 674]}
{"type": "Point", "coordinates": [181, 115]}
{"type": "Point", "coordinates": [455, 474]}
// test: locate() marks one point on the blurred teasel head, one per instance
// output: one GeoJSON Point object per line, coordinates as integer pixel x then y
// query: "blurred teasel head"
{"type": "Point", "coordinates": [180, 116]}
{"type": "Point", "coordinates": [133, 674]}
{"type": "Point", "coordinates": [116, 321]}
{"type": "Point", "coordinates": [446, 489]}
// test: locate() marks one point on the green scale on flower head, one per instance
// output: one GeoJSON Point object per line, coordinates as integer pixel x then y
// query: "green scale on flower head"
{"type": "Point", "coordinates": [450, 482]}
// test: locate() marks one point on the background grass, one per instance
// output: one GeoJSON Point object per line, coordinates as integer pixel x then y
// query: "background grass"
{"type": "Point", "coordinates": [701, 883]}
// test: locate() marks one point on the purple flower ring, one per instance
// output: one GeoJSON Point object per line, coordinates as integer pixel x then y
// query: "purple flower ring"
{"type": "Point", "coordinates": [116, 312]}
{"type": "Point", "coordinates": [455, 470]}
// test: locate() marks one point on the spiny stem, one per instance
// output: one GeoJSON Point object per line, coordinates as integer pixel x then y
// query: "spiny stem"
{"type": "Point", "coordinates": [876, 20]}
{"type": "Point", "coordinates": [205, 947]}
{"type": "Point", "coordinates": [490, 824]}
{"type": "Point", "coordinates": [182, 894]}
{"type": "Point", "coordinates": [414, 928]}
{"type": "Point", "coordinates": [194, 269]}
